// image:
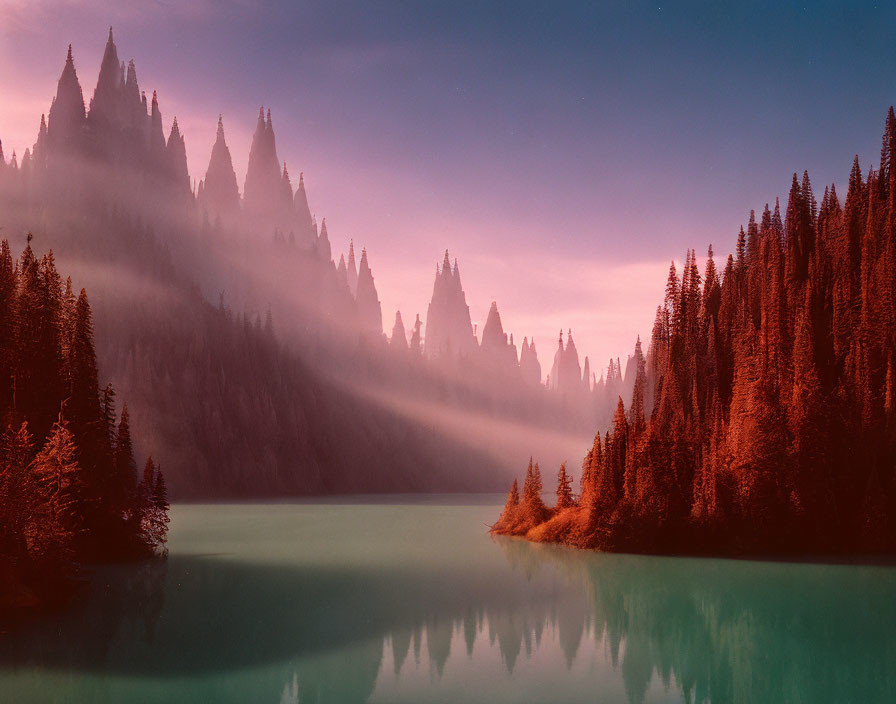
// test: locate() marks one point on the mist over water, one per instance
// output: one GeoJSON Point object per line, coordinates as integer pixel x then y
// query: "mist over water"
{"type": "Point", "coordinates": [411, 601]}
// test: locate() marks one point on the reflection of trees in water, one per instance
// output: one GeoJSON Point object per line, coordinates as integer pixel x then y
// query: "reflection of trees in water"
{"type": "Point", "coordinates": [719, 631]}
{"type": "Point", "coordinates": [730, 631]}
{"type": "Point", "coordinates": [125, 602]}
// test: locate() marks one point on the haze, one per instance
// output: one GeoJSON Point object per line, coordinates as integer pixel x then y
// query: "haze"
{"type": "Point", "coordinates": [562, 163]}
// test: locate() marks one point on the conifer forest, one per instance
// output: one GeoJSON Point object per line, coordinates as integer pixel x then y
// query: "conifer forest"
{"type": "Point", "coordinates": [762, 415]}
{"type": "Point", "coordinates": [296, 296]}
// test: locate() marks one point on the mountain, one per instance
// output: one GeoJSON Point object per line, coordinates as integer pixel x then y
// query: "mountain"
{"type": "Point", "coordinates": [257, 364]}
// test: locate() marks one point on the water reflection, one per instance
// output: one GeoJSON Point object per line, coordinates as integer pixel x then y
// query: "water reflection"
{"type": "Point", "coordinates": [500, 620]}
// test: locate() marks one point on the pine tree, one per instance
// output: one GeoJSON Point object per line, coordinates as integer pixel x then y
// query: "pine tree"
{"type": "Point", "coordinates": [17, 492]}
{"type": "Point", "coordinates": [57, 478]}
{"type": "Point", "coordinates": [124, 478]}
{"type": "Point", "coordinates": [159, 512]}
{"type": "Point", "coordinates": [144, 500]}
{"type": "Point", "coordinates": [564, 489]}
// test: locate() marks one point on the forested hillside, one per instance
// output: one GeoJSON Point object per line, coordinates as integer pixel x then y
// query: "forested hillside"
{"type": "Point", "coordinates": [257, 363]}
{"type": "Point", "coordinates": [69, 486]}
{"type": "Point", "coordinates": [773, 421]}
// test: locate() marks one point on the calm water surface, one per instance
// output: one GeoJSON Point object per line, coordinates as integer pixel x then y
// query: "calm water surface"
{"type": "Point", "coordinates": [411, 601]}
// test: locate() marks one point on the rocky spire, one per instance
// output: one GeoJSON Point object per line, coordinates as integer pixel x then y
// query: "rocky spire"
{"type": "Point", "coordinates": [40, 147]}
{"type": "Point", "coordinates": [352, 273]}
{"type": "Point", "coordinates": [449, 329]}
{"type": "Point", "coordinates": [65, 127]}
{"type": "Point", "coordinates": [498, 354]}
{"type": "Point", "coordinates": [263, 190]}
{"type": "Point", "coordinates": [285, 206]}
{"type": "Point", "coordinates": [370, 313]}
{"type": "Point", "coordinates": [586, 374]}
{"type": "Point", "coordinates": [416, 344]}
{"type": "Point", "coordinates": [493, 332]}
{"type": "Point", "coordinates": [324, 250]}
{"type": "Point", "coordinates": [105, 105]}
{"type": "Point", "coordinates": [530, 369]}
{"type": "Point", "coordinates": [156, 135]}
{"type": "Point", "coordinates": [220, 193]}
{"type": "Point", "coordinates": [304, 226]}
{"type": "Point", "coordinates": [557, 367]}
{"type": "Point", "coordinates": [177, 159]}
{"type": "Point", "coordinates": [570, 372]}
{"type": "Point", "coordinates": [341, 273]}
{"type": "Point", "coordinates": [399, 340]}
{"type": "Point", "coordinates": [133, 106]}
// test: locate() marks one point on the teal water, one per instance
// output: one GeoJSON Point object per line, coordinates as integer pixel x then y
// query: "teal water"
{"type": "Point", "coordinates": [412, 601]}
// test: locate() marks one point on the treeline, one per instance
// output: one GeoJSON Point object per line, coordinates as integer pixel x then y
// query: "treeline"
{"type": "Point", "coordinates": [763, 418]}
{"type": "Point", "coordinates": [69, 488]}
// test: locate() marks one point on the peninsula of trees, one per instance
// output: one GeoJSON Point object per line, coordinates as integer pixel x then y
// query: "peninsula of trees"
{"type": "Point", "coordinates": [763, 417]}
{"type": "Point", "coordinates": [69, 486]}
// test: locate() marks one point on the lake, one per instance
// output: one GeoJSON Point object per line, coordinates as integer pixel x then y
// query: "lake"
{"type": "Point", "coordinates": [409, 600]}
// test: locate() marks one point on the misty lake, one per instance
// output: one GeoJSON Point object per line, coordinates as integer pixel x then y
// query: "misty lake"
{"type": "Point", "coordinates": [410, 600]}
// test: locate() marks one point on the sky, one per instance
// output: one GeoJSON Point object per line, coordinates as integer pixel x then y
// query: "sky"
{"type": "Point", "coordinates": [563, 152]}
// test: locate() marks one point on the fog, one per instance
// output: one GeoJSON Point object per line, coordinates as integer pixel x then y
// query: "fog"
{"type": "Point", "coordinates": [253, 356]}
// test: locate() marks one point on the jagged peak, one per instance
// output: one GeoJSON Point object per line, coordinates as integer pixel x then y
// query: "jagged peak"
{"type": "Point", "coordinates": [446, 263]}
{"type": "Point", "coordinates": [268, 124]}
{"type": "Point", "coordinates": [175, 130]}
{"type": "Point", "coordinates": [111, 39]}
{"type": "Point", "coordinates": [68, 103]}
{"type": "Point", "coordinates": [302, 180]}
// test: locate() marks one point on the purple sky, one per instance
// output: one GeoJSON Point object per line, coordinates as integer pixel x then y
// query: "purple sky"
{"type": "Point", "coordinates": [563, 154]}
